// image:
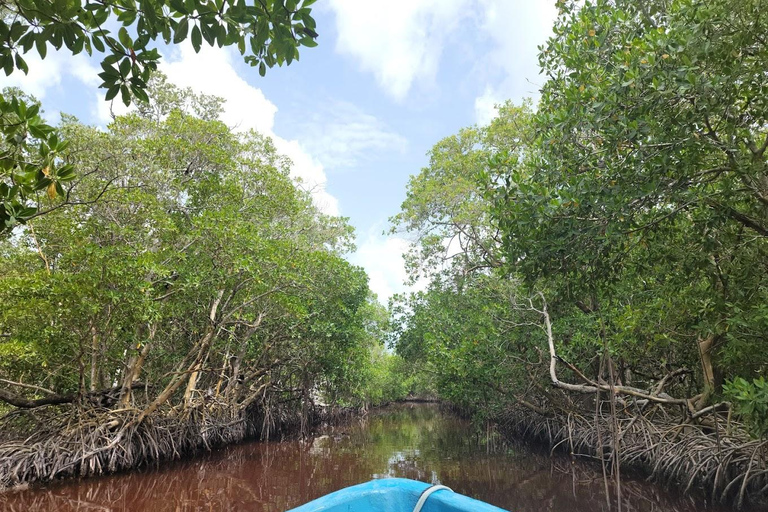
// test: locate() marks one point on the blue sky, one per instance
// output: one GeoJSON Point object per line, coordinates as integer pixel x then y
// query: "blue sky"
{"type": "Point", "coordinates": [358, 114]}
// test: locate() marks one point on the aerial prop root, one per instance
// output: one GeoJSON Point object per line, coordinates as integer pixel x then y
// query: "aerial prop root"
{"type": "Point", "coordinates": [730, 468]}
{"type": "Point", "coordinates": [73, 441]}
{"type": "Point", "coordinates": [675, 441]}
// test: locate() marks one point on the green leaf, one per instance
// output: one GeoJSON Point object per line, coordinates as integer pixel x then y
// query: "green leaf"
{"type": "Point", "coordinates": [32, 111]}
{"type": "Point", "coordinates": [197, 38]}
{"type": "Point", "coordinates": [21, 64]}
{"type": "Point", "coordinates": [126, 94]}
{"type": "Point", "coordinates": [37, 132]}
{"type": "Point", "coordinates": [27, 42]}
{"type": "Point", "coordinates": [26, 212]}
{"type": "Point", "coordinates": [112, 58]}
{"type": "Point", "coordinates": [208, 33]}
{"type": "Point", "coordinates": [182, 28]}
{"type": "Point", "coordinates": [40, 44]}
{"type": "Point", "coordinates": [124, 38]}
{"type": "Point", "coordinates": [128, 16]}
{"type": "Point", "coordinates": [140, 93]}
{"type": "Point", "coordinates": [178, 5]}
{"type": "Point", "coordinates": [112, 92]}
{"type": "Point", "coordinates": [308, 42]}
{"type": "Point", "coordinates": [7, 62]}
{"type": "Point", "coordinates": [125, 67]}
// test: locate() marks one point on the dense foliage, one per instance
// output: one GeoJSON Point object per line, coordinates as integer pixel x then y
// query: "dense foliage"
{"type": "Point", "coordinates": [597, 267]}
{"type": "Point", "coordinates": [266, 33]}
{"type": "Point", "coordinates": [631, 209]}
{"type": "Point", "coordinates": [203, 272]}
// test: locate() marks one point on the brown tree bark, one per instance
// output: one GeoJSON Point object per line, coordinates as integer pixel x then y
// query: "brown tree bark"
{"type": "Point", "coordinates": [133, 368]}
{"type": "Point", "coordinates": [707, 370]}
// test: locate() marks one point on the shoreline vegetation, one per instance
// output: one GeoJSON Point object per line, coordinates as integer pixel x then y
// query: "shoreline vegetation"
{"type": "Point", "coordinates": [596, 262]}
{"type": "Point", "coordinates": [726, 467]}
{"type": "Point", "coordinates": [596, 265]}
{"type": "Point", "coordinates": [202, 298]}
{"type": "Point", "coordinates": [86, 443]}
{"type": "Point", "coordinates": [723, 467]}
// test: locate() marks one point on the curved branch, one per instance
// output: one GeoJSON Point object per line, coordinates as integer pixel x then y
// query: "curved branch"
{"type": "Point", "coordinates": [592, 386]}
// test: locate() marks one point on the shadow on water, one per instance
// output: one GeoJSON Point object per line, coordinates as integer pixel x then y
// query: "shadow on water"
{"type": "Point", "coordinates": [410, 441]}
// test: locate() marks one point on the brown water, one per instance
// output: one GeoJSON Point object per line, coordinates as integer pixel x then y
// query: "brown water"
{"type": "Point", "coordinates": [411, 441]}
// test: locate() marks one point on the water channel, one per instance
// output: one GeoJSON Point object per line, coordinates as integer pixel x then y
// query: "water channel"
{"type": "Point", "coordinates": [411, 441]}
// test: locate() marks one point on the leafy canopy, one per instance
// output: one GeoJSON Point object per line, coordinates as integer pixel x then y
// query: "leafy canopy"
{"type": "Point", "coordinates": [269, 32]}
{"type": "Point", "coordinates": [266, 32]}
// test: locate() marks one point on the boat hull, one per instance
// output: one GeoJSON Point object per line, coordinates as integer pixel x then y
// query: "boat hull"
{"type": "Point", "coordinates": [394, 495]}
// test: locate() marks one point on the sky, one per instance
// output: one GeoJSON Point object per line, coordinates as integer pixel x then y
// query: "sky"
{"type": "Point", "coordinates": [357, 114]}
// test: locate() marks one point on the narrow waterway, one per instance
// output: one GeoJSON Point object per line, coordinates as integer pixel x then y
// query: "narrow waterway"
{"type": "Point", "coordinates": [411, 441]}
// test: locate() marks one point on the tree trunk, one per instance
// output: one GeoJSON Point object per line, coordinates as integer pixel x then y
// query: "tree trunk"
{"type": "Point", "coordinates": [95, 356]}
{"type": "Point", "coordinates": [707, 370]}
{"type": "Point", "coordinates": [191, 385]}
{"type": "Point", "coordinates": [133, 368]}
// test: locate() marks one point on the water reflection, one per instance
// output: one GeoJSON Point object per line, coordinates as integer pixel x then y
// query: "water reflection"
{"type": "Point", "coordinates": [416, 442]}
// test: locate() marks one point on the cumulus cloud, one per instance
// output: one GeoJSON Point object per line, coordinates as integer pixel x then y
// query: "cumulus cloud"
{"type": "Point", "coordinates": [246, 108]}
{"type": "Point", "coordinates": [45, 75]}
{"type": "Point", "coordinates": [382, 258]}
{"type": "Point", "coordinates": [212, 72]}
{"type": "Point", "coordinates": [516, 28]}
{"type": "Point", "coordinates": [341, 135]}
{"type": "Point", "coordinates": [485, 107]}
{"type": "Point", "coordinates": [310, 172]}
{"type": "Point", "coordinates": [399, 41]}
{"type": "Point", "coordinates": [104, 111]}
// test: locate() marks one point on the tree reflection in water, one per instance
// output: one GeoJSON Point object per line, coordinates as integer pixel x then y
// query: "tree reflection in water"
{"type": "Point", "coordinates": [410, 441]}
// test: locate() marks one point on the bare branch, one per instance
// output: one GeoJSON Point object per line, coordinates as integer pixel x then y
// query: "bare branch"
{"type": "Point", "coordinates": [28, 386]}
{"type": "Point", "coordinates": [591, 386]}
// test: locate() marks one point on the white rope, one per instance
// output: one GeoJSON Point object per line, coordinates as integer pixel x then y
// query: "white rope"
{"type": "Point", "coordinates": [425, 495]}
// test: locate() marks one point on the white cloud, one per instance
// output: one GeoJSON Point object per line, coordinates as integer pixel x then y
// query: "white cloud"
{"type": "Point", "coordinates": [246, 108]}
{"type": "Point", "coordinates": [43, 75]}
{"type": "Point", "coordinates": [398, 41]}
{"type": "Point", "coordinates": [211, 72]}
{"type": "Point", "coordinates": [401, 42]}
{"type": "Point", "coordinates": [51, 117]}
{"type": "Point", "coordinates": [46, 74]}
{"type": "Point", "coordinates": [310, 172]}
{"type": "Point", "coordinates": [382, 258]}
{"type": "Point", "coordinates": [485, 107]}
{"type": "Point", "coordinates": [82, 69]}
{"type": "Point", "coordinates": [516, 28]}
{"type": "Point", "coordinates": [342, 135]}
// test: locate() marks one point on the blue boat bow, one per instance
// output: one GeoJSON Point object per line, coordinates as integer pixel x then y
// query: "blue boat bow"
{"type": "Point", "coordinates": [396, 495]}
